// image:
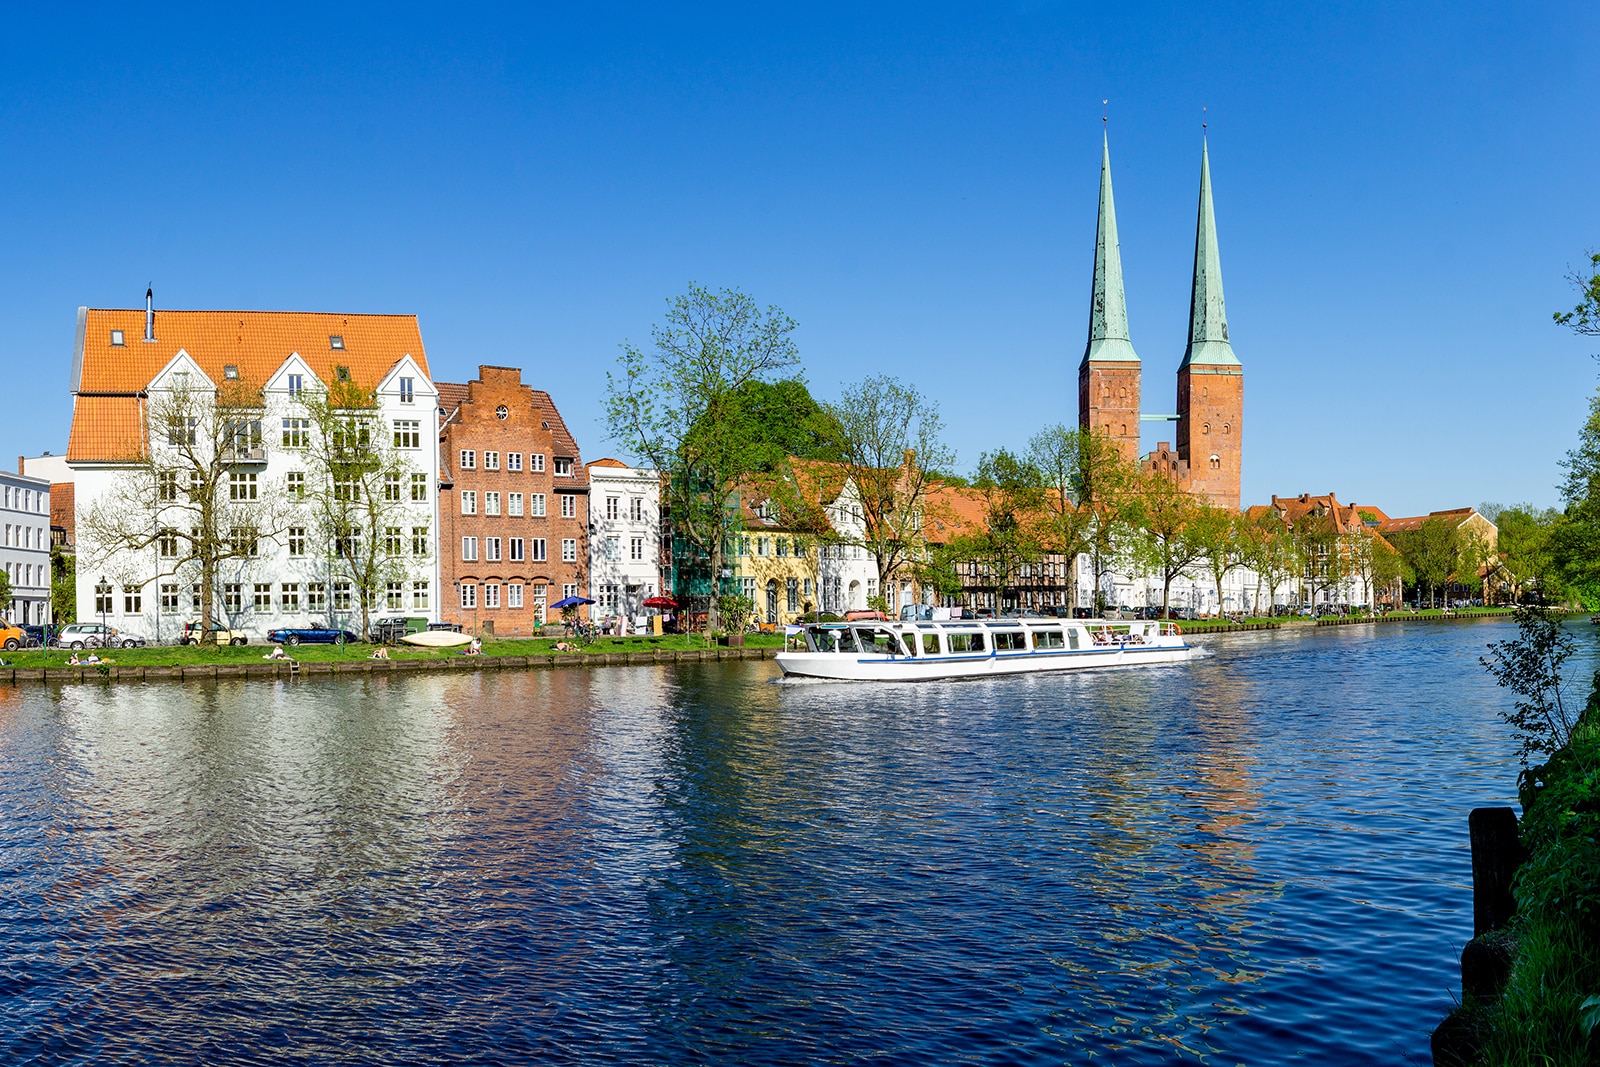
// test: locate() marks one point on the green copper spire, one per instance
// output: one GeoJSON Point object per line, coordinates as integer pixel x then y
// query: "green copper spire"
{"type": "Point", "coordinates": [1108, 306]}
{"type": "Point", "coordinates": [1208, 319]}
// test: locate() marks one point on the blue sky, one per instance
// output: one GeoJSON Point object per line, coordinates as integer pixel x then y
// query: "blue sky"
{"type": "Point", "coordinates": [1400, 190]}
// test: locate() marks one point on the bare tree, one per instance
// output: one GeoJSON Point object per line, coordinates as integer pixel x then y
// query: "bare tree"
{"type": "Point", "coordinates": [193, 499]}
{"type": "Point", "coordinates": [892, 445]}
{"type": "Point", "coordinates": [1166, 536]}
{"type": "Point", "coordinates": [361, 490]}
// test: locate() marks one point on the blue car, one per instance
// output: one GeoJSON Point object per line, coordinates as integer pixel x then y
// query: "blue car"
{"type": "Point", "coordinates": [311, 635]}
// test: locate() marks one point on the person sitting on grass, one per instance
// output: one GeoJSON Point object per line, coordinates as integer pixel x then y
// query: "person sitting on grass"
{"type": "Point", "coordinates": [74, 661]}
{"type": "Point", "coordinates": [562, 646]}
{"type": "Point", "coordinates": [380, 653]}
{"type": "Point", "coordinates": [276, 653]}
{"type": "Point", "coordinates": [475, 648]}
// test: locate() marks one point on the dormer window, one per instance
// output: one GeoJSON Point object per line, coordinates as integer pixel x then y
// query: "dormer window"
{"type": "Point", "coordinates": [563, 468]}
{"type": "Point", "coordinates": [116, 338]}
{"type": "Point", "coordinates": [230, 371]}
{"type": "Point", "coordinates": [344, 374]}
{"type": "Point", "coordinates": [336, 342]}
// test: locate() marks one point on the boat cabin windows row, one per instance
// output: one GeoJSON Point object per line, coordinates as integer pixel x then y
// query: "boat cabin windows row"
{"type": "Point", "coordinates": [877, 641]}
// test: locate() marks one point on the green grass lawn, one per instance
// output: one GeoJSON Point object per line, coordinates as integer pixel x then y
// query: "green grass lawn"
{"type": "Point", "coordinates": [184, 655]}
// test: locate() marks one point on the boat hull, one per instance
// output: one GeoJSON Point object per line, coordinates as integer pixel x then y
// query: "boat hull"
{"type": "Point", "coordinates": [438, 639]}
{"type": "Point", "coordinates": [851, 668]}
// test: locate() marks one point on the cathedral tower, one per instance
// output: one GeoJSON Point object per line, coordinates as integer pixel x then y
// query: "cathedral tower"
{"type": "Point", "coordinates": [1108, 377]}
{"type": "Point", "coordinates": [1210, 379]}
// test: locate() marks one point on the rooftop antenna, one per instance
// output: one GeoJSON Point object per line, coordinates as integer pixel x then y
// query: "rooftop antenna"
{"type": "Point", "coordinates": [1105, 111]}
{"type": "Point", "coordinates": [1202, 117]}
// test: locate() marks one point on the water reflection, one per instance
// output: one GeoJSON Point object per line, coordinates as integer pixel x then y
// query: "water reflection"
{"type": "Point", "coordinates": [1257, 855]}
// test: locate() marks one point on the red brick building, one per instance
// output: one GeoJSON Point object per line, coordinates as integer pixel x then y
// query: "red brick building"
{"type": "Point", "coordinates": [513, 507]}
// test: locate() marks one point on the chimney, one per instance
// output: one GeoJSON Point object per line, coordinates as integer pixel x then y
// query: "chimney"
{"type": "Point", "coordinates": [911, 458]}
{"type": "Point", "coordinates": [150, 314]}
{"type": "Point", "coordinates": [22, 465]}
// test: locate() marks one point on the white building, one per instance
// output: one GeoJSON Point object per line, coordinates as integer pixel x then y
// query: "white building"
{"type": "Point", "coordinates": [25, 546]}
{"type": "Point", "coordinates": [848, 571]}
{"type": "Point", "coordinates": [624, 537]}
{"type": "Point", "coordinates": [127, 360]}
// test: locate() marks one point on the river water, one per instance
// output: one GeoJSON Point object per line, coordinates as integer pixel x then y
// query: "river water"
{"type": "Point", "coordinates": [1257, 856]}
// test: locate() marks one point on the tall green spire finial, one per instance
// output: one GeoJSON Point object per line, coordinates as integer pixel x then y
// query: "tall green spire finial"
{"type": "Point", "coordinates": [1108, 305]}
{"type": "Point", "coordinates": [1208, 318]}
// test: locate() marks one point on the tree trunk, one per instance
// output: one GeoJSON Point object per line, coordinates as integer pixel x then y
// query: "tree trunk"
{"type": "Point", "coordinates": [208, 592]}
{"type": "Point", "coordinates": [713, 614]}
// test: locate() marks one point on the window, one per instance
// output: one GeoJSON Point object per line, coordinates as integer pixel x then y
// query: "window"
{"type": "Point", "coordinates": [391, 540]}
{"type": "Point", "coordinates": [336, 342]}
{"type": "Point", "coordinates": [744, 546]}
{"type": "Point", "coordinates": [514, 504]}
{"type": "Point", "coordinates": [569, 506]}
{"type": "Point", "coordinates": [536, 549]}
{"type": "Point", "coordinates": [761, 546]}
{"type": "Point", "coordinates": [965, 642]}
{"type": "Point", "coordinates": [469, 459]}
{"type": "Point", "coordinates": [536, 462]}
{"type": "Point", "coordinates": [297, 540]}
{"type": "Point", "coordinates": [783, 547]}
{"type": "Point", "coordinates": [514, 595]}
{"type": "Point", "coordinates": [296, 433]}
{"type": "Point", "coordinates": [569, 550]}
{"type": "Point", "coordinates": [342, 373]}
{"type": "Point", "coordinates": [181, 430]}
{"type": "Point", "coordinates": [289, 596]}
{"type": "Point", "coordinates": [613, 507]}
{"type": "Point", "coordinates": [132, 600]}
{"type": "Point", "coordinates": [408, 390]}
{"type": "Point", "coordinates": [353, 435]}
{"type": "Point", "coordinates": [538, 602]}
{"type": "Point", "coordinates": [316, 597]}
{"type": "Point", "coordinates": [346, 489]}
{"type": "Point", "coordinates": [241, 485]}
{"type": "Point", "coordinates": [169, 599]}
{"type": "Point", "coordinates": [407, 433]}
{"type": "Point", "coordinates": [469, 595]}
{"type": "Point", "coordinates": [419, 487]}
{"type": "Point", "coordinates": [469, 549]}
{"type": "Point", "coordinates": [491, 461]}
{"type": "Point", "coordinates": [232, 598]}
{"type": "Point", "coordinates": [102, 599]}
{"type": "Point", "coordinates": [342, 600]}
{"type": "Point", "coordinates": [608, 597]}
{"type": "Point", "coordinates": [792, 594]}
{"type": "Point", "coordinates": [568, 590]}
{"type": "Point", "coordinates": [419, 596]}
{"type": "Point", "coordinates": [394, 596]}
{"type": "Point", "coordinates": [491, 595]}
{"type": "Point", "coordinates": [166, 486]}
{"type": "Point", "coordinates": [297, 384]}
{"type": "Point", "coordinates": [613, 549]}
{"type": "Point", "coordinates": [1216, 463]}
{"type": "Point", "coordinates": [491, 549]}
{"type": "Point", "coordinates": [419, 540]}
{"type": "Point", "coordinates": [469, 502]}
{"type": "Point", "coordinates": [391, 487]}
{"type": "Point", "coordinates": [168, 543]}
{"type": "Point", "coordinates": [194, 598]}
{"type": "Point", "coordinates": [563, 468]}
{"type": "Point", "coordinates": [116, 337]}
{"type": "Point", "coordinates": [1205, 427]}
{"type": "Point", "coordinates": [242, 541]}
{"type": "Point", "coordinates": [1227, 427]}
{"type": "Point", "coordinates": [294, 483]}
{"type": "Point", "coordinates": [513, 461]}
{"type": "Point", "coordinates": [491, 503]}
{"type": "Point", "coordinates": [261, 597]}
{"type": "Point", "coordinates": [516, 550]}
{"type": "Point", "coordinates": [1048, 639]}
{"type": "Point", "coordinates": [636, 549]}
{"type": "Point", "coordinates": [636, 509]}
{"type": "Point", "coordinates": [536, 505]}
{"type": "Point", "coordinates": [347, 542]}
{"type": "Point", "coordinates": [1008, 641]}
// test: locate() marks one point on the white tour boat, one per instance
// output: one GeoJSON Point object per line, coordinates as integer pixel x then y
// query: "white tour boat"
{"type": "Point", "coordinates": [920, 651]}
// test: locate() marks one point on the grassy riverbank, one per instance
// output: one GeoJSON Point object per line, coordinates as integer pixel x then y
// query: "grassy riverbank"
{"type": "Point", "coordinates": [1540, 1018]}
{"type": "Point", "coordinates": [187, 656]}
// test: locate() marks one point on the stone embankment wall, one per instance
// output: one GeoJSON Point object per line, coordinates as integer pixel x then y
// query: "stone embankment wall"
{"type": "Point", "coordinates": [291, 669]}
{"type": "Point", "coordinates": [1398, 617]}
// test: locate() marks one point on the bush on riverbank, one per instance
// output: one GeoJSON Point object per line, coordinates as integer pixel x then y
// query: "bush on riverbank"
{"type": "Point", "coordinates": [1539, 1019]}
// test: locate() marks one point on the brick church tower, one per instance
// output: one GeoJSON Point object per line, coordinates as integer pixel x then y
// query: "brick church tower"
{"type": "Point", "coordinates": [1108, 377]}
{"type": "Point", "coordinates": [1210, 379]}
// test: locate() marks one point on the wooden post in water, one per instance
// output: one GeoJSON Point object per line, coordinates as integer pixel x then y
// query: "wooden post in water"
{"type": "Point", "coordinates": [1496, 854]}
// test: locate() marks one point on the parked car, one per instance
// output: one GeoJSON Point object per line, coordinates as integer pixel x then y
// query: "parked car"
{"type": "Point", "coordinates": [12, 637]}
{"type": "Point", "coordinates": [193, 631]}
{"type": "Point", "coordinates": [311, 635]}
{"type": "Point", "coordinates": [94, 635]}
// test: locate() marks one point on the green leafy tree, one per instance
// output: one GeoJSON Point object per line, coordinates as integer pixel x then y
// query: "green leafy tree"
{"type": "Point", "coordinates": [1218, 531]}
{"type": "Point", "coordinates": [1082, 496]}
{"type": "Point", "coordinates": [1432, 552]}
{"type": "Point", "coordinates": [782, 419]}
{"type": "Point", "coordinates": [1530, 666]}
{"type": "Point", "coordinates": [1165, 533]}
{"type": "Point", "coordinates": [63, 586]}
{"type": "Point", "coordinates": [1524, 549]}
{"type": "Point", "coordinates": [678, 405]}
{"type": "Point", "coordinates": [1584, 318]}
{"type": "Point", "coordinates": [1010, 489]}
{"type": "Point", "coordinates": [5, 590]}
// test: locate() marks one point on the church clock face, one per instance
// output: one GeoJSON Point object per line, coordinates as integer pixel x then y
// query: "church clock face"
{"type": "Point", "coordinates": [501, 412]}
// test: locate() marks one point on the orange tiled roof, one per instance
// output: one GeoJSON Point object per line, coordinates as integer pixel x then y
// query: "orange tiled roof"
{"type": "Point", "coordinates": [257, 342]}
{"type": "Point", "coordinates": [451, 395]}
{"type": "Point", "coordinates": [607, 462]}
{"type": "Point", "coordinates": [106, 428]}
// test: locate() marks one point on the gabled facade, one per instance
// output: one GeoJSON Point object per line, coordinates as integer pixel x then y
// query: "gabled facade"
{"type": "Point", "coordinates": [266, 363]}
{"type": "Point", "coordinates": [624, 538]}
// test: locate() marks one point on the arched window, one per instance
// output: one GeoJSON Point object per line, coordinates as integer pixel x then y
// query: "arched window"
{"type": "Point", "coordinates": [1205, 427]}
{"type": "Point", "coordinates": [1124, 429]}
{"type": "Point", "coordinates": [772, 601]}
{"type": "Point", "coordinates": [1227, 427]}
{"type": "Point", "coordinates": [1216, 463]}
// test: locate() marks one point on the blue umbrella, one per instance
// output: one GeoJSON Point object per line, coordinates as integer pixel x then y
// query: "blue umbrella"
{"type": "Point", "coordinates": [571, 602]}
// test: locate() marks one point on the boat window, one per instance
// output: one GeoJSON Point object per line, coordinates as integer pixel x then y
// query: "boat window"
{"type": "Point", "coordinates": [966, 642]}
{"type": "Point", "coordinates": [930, 644]}
{"type": "Point", "coordinates": [1048, 639]}
{"type": "Point", "coordinates": [910, 641]}
{"type": "Point", "coordinates": [878, 642]}
{"type": "Point", "coordinates": [1072, 637]}
{"type": "Point", "coordinates": [1010, 641]}
{"type": "Point", "coordinates": [834, 640]}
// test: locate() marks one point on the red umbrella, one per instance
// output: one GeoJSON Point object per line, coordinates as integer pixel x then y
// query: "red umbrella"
{"type": "Point", "coordinates": [660, 602]}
